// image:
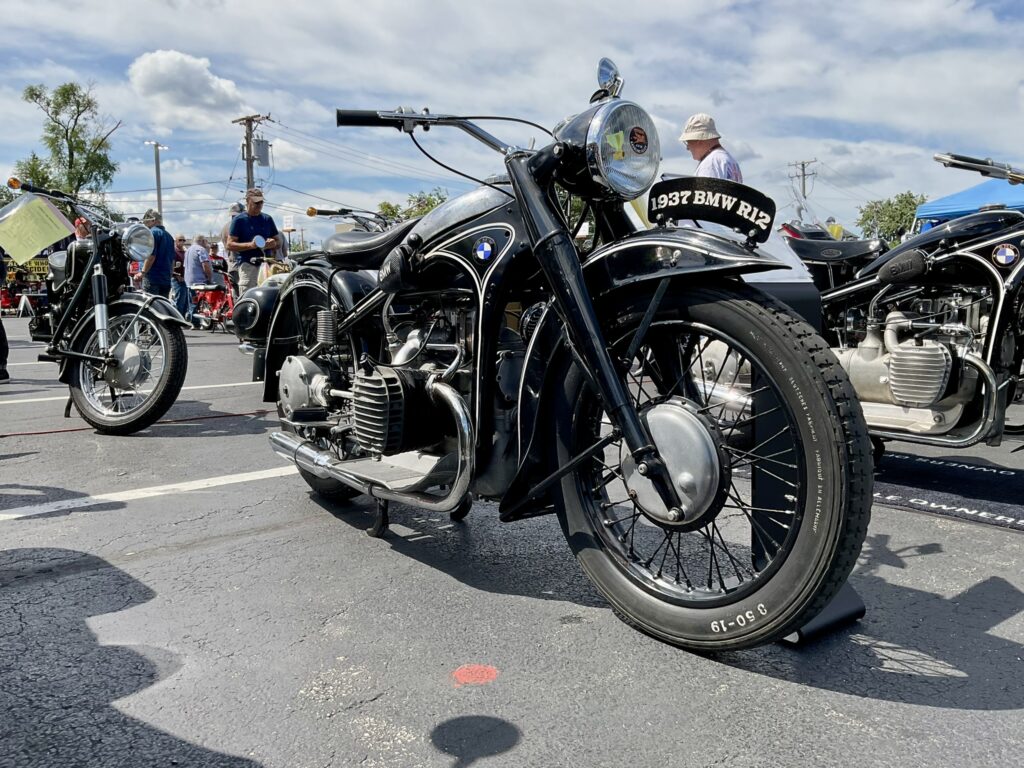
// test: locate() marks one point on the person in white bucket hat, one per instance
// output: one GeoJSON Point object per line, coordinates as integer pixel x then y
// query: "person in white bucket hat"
{"type": "Point", "coordinates": [701, 138]}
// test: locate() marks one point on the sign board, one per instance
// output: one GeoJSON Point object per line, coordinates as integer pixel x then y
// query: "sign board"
{"type": "Point", "coordinates": [289, 222]}
{"type": "Point", "coordinates": [719, 201]}
{"type": "Point", "coordinates": [30, 224]}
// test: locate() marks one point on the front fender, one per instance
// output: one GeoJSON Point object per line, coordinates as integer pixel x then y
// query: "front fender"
{"type": "Point", "coordinates": [656, 253]}
{"type": "Point", "coordinates": [160, 306]}
{"type": "Point", "coordinates": [650, 255]}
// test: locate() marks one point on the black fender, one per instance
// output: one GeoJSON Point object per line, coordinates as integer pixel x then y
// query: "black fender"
{"type": "Point", "coordinates": [682, 255]}
{"type": "Point", "coordinates": [344, 287]}
{"type": "Point", "coordinates": [160, 306]}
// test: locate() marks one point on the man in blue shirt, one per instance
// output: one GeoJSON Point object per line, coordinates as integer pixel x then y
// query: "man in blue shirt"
{"type": "Point", "coordinates": [156, 270]}
{"type": "Point", "coordinates": [244, 228]}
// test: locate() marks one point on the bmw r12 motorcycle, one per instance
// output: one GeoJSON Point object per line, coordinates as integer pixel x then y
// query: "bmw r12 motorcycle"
{"type": "Point", "coordinates": [488, 357]}
{"type": "Point", "coordinates": [122, 353]}
{"type": "Point", "coordinates": [931, 332]}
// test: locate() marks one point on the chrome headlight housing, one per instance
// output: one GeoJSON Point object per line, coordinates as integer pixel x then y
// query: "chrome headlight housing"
{"type": "Point", "coordinates": [137, 242]}
{"type": "Point", "coordinates": [623, 150]}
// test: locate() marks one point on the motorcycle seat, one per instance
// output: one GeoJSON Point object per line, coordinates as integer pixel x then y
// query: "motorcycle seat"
{"type": "Point", "coordinates": [364, 250]}
{"type": "Point", "coordinates": [833, 251]}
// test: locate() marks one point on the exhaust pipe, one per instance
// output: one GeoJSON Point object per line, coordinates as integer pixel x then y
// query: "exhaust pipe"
{"type": "Point", "coordinates": [326, 465]}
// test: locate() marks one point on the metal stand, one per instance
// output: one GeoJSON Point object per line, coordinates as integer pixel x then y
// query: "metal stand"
{"type": "Point", "coordinates": [847, 606]}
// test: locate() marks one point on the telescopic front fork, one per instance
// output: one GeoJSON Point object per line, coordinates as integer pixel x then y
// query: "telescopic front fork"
{"type": "Point", "coordinates": [560, 263]}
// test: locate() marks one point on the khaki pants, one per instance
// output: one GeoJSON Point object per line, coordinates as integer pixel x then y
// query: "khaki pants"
{"type": "Point", "coordinates": [247, 276]}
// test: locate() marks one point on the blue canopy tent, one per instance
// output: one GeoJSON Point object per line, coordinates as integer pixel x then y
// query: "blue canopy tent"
{"type": "Point", "coordinates": [993, 191]}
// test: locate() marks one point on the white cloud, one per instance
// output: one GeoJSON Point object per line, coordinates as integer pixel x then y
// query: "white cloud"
{"type": "Point", "coordinates": [870, 87]}
{"type": "Point", "coordinates": [180, 91]}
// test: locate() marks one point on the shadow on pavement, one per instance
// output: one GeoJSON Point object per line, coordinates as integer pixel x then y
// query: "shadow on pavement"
{"type": "Point", "coordinates": [195, 419]}
{"type": "Point", "coordinates": [528, 558]}
{"type": "Point", "coordinates": [913, 646]}
{"type": "Point", "coordinates": [58, 685]}
{"type": "Point", "coordinates": [474, 737]}
{"type": "Point", "coordinates": [15, 495]}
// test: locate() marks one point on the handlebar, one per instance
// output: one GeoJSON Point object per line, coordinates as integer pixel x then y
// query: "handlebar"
{"type": "Point", "coordinates": [364, 118]}
{"type": "Point", "coordinates": [24, 186]}
{"type": "Point", "coordinates": [406, 119]}
{"type": "Point", "coordinates": [986, 167]}
{"type": "Point", "coordinates": [328, 211]}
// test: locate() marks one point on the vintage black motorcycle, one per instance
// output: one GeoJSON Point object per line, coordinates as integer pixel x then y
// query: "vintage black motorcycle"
{"type": "Point", "coordinates": [122, 353]}
{"type": "Point", "coordinates": [932, 331]}
{"type": "Point", "coordinates": [488, 357]}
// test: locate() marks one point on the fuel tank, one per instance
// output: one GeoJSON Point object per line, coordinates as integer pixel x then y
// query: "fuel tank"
{"type": "Point", "coordinates": [963, 231]}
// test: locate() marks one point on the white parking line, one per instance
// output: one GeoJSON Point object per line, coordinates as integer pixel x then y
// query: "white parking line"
{"type": "Point", "coordinates": [65, 397]}
{"type": "Point", "coordinates": [143, 493]}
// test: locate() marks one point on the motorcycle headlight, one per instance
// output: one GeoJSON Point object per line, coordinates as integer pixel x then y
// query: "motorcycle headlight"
{"type": "Point", "coordinates": [623, 150]}
{"type": "Point", "coordinates": [137, 241]}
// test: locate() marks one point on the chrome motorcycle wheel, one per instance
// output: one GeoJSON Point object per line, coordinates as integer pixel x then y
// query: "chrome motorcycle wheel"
{"type": "Point", "coordinates": [150, 364]}
{"type": "Point", "coordinates": [768, 453]}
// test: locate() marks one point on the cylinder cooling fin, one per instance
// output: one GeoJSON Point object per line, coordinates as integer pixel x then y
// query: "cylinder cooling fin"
{"type": "Point", "coordinates": [919, 373]}
{"type": "Point", "coordinates": [378, 409]}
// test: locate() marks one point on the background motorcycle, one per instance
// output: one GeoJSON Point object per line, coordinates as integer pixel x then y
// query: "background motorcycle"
{"type": "Point", "coordinates": [932, 331]}
{"type": "Point", "coordinates": [215, 301]}
{"type": "Point", "coordinates": [121, 353]}
{"type": "Point", "coordinates": [489, 356]}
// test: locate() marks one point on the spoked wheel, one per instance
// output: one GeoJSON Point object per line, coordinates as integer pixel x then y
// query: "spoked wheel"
{"type": "Point", "coordinates": [149, 364]}
{"type": "Point", "coordinates": [768, 452]}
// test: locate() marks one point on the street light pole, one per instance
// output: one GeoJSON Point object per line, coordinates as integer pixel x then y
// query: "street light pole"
{"type": "Point", "coordinates": [157, 146]}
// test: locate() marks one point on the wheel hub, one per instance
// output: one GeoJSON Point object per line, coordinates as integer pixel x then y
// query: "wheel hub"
{"type": "Point", "coordinates": [692, 450]}
{"type": "Point", "coordinates": [130, 364]}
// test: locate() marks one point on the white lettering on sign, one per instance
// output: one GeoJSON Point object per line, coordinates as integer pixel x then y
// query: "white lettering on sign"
{"type": "Point", "coordinates": [720, 200]}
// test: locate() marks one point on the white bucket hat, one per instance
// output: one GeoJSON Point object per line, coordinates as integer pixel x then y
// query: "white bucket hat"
{"type": "Point", "coordinates": [700, 127]}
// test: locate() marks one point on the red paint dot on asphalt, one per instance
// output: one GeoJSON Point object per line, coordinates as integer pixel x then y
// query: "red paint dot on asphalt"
{"type": "Point", "coordinates": [475, 674]}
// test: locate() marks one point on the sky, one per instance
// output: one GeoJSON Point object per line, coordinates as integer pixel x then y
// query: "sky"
{"type": "Point", "coordinates": [868, 89]}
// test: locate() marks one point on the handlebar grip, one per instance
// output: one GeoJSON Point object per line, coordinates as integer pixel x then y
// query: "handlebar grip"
{"type": "Point", "coordinates": [327, 212]}
{"type": "Point", "coordinates": [363, 118]}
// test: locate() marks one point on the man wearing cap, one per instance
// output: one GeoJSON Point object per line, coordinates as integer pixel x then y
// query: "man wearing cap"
{"type": "Point", "coordinates": [156, 269]}
{"type": "Point", "coordinates": [245, 227]}
{"type": "Point", "coordinates": [701, 138]}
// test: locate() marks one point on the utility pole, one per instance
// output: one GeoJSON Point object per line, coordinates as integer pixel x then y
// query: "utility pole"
{"type": "Point", "coordinates": [803, 174]}
{"type": "Point", "coordinates": [249, 121]}
{"type": "Point", "coordinates": [157, 146]}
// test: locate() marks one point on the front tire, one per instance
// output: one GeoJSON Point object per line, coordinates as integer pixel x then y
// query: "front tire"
{"type": "Point", "coordinates": [153, 359]}
{"type": "Point", "coordinates": [787, 511]}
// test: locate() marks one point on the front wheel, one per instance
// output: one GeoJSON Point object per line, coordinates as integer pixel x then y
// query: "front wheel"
{"type": "Point", "coordinates": [149, 359]}
{"type": "Point", "coordinates": [766, 447]}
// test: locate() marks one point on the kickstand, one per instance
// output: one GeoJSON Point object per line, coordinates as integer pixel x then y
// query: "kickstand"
{"type": "Point", "coordinates": [67, 407]}
{"type": "Point", "coordinates": [380, 521]}
{"type": "Point", "coordinates": [846, 608]}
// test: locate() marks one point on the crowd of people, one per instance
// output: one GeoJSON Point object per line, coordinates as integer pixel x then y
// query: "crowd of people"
{"type": "Point", "coordinates": [176, 266]}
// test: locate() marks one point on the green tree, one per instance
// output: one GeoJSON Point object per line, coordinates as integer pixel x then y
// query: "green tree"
{"type": "Point", "coordinates": [418, 204]}
{"type": "Point", "coordinates": [76, 137]}
{"type": "Point", "coordinates": [889, 219]}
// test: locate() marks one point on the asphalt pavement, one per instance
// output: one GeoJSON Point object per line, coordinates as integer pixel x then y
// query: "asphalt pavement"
{"type": "Point", "coordinates": [178, 598]}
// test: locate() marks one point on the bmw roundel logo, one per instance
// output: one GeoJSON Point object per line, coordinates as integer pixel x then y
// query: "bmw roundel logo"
{"type": "Point", "coordinates": [1005, 254]}
{"type": "Point", "coordinates": [484, 248]}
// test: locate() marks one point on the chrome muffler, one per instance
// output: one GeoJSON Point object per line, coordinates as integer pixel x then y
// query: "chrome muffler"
{"type": "Point", "coordinates": [326, 465]}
